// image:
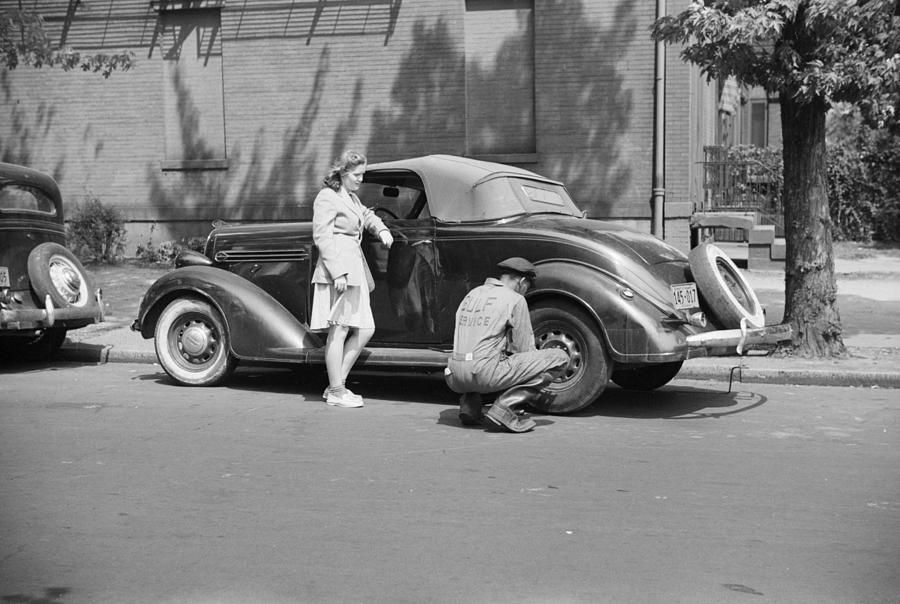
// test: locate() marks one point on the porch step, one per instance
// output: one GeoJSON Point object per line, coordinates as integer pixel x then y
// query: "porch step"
{"type": "Point", "coordinates": [731, 220]}
{"type": "Point", "coordinates": [762, 234]}
{"type": "Point", "coordinates": [762, 254]}
{"type": "Point", "coordinates": [779, 249]}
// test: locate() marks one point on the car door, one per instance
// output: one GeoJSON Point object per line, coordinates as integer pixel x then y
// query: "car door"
{"type": "Point", "coordinates": [407, 276]}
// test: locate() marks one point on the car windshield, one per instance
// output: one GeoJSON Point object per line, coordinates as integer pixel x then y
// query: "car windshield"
{"type": "Point", "coordinates": [15, 198]}
{"type": "Point", "coordinates": [400, 196]}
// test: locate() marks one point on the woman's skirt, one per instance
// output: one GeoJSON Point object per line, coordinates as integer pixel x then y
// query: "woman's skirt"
{"type": "Point", "coordinates": [350, 309]}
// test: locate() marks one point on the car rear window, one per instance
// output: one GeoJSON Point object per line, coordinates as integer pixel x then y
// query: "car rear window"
{"type": "Point", "coordinates": [512, 196]}
{"type": "Point", "coordinates": [16, 198]}
{"type": "Point", "coordinates": [543, 196]}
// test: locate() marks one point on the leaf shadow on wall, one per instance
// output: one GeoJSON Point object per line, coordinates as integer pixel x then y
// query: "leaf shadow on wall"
{"type": "Point", "coordinates": [262, 190]}
{"type": "Point", "coordinates": [583, 110]}
{"type": "Point", "coordinates": [28, 134]}
{"type": "Point", "coordinates": [427, 103]}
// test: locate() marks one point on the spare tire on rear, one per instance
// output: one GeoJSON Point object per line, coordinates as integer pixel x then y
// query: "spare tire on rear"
{"type": "Point", "coordinates": [723, 287]}
{"type": "Point", "coordinates": [54, 271]}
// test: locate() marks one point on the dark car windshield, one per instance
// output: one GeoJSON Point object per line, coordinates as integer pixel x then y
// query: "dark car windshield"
{"type": "Point", "coordinates": [397, 197]}
{"type": "Point", "coordinates": [15, 198]}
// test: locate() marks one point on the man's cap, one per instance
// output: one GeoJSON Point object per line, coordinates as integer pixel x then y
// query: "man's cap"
{"type": "Point", "coordinates": [518, 265]}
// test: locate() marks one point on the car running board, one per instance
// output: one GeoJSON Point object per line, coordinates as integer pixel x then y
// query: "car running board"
{"type": "Point", "coordinates": [424, 359]}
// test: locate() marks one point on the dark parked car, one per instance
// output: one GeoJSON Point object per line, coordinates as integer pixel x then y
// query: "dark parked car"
{"type": "Point", "coordinates": [44, 290]}
{"type": "Point", "coordinates": [624, 305]}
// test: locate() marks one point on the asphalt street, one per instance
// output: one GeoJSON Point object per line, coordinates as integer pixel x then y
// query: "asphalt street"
{"type": "Point", "coordinates": [119, 486]}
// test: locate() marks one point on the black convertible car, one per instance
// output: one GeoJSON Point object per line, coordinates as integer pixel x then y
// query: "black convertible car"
{"type": "Point", "coordinates": [623, 304]}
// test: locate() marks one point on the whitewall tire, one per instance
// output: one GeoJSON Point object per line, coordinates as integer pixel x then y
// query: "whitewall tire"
{"type": "Point", "coordinates": [726, 291]}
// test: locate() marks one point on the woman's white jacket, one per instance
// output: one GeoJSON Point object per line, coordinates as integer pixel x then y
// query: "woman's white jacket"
{"type": "Point", "coordinates": [338, 224]}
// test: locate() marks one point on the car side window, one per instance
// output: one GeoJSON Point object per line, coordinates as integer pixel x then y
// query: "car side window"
{"type": "Point", "coordinates": [398, 201]}
{"type": "Point", "coordinates": [15, 198]}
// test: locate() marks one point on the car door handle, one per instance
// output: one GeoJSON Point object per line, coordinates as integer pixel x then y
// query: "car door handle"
{"type": "Point", "coordinates": [422, 242]}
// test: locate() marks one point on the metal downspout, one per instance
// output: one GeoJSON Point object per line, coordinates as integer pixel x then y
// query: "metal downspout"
{"type": "Point", "coordinates": [657, 209]}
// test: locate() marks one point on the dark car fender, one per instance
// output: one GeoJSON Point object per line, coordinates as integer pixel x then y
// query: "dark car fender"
{"type": "Point", "coordinates": [629, 323]}
{"type": "Point", "coordinates": [260, 328]}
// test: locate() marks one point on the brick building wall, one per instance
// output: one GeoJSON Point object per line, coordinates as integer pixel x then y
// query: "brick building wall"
{"type": "Point", "coordinates": [249, 123]}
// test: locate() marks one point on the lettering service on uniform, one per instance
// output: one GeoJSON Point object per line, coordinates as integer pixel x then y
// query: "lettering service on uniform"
{"type": "Point", "coordinates": [471, 311]}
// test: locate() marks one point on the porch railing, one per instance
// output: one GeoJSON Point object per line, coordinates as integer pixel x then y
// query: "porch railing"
{"type": "Point", "coordinates": [740, 185]}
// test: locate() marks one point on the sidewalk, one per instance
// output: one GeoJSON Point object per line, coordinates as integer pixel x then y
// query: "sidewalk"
{"type": "Point", "coordinates": [868, 299]}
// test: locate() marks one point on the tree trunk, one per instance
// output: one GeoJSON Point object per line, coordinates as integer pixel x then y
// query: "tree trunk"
{"type": "Point", "coordinates": [810, 289]}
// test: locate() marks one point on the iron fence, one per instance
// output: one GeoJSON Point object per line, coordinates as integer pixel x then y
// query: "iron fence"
{"type": "Point", "coordinates": [732, 184]}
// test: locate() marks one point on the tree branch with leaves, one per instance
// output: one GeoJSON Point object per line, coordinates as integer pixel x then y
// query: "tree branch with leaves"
{"type": "Point", "coordinates": [24, 41]}
{"type": "Point", "coordinates": [811, 53]}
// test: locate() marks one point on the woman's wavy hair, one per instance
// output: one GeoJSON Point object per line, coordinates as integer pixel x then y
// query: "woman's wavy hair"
{"type": "Point", "coordinates": [342, 165]}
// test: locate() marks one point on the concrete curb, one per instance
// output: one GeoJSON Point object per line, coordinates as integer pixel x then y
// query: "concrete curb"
{"type": "Point", "coordinates": [80, 352]}
{"type": "Point", "coordinates": [795, 377]}
{"type": "Point", "coordinates": [103, 353]}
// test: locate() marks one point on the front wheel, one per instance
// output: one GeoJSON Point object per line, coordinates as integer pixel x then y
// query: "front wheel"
{"type": "Point", "coordinates": [192, 343]}
{"type": "Point", "coordinates": [585, 377]}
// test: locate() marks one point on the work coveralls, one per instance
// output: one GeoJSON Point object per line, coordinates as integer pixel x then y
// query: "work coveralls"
{"type": "Point", "coordinates": [493, 345]}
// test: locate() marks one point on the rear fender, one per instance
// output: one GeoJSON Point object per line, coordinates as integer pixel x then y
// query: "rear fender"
{"type": "Point", "coordinates": [259, 326]}
{"type": "Point", "coordinates": [630, 325]}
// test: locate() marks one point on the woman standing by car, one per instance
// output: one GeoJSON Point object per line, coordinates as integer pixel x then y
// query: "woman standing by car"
{"type": "Point", "coordinates": [342, 280]}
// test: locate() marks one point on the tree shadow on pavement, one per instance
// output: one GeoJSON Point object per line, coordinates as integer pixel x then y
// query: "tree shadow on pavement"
{"type": "Point", "coordinates": [674, 402]}
{"type": "Point", "coordinates": [8, 365]}
{"type": "Point", "coordinates": [311, 381]}
{"type": "Point", "coordinates": [670, 402]}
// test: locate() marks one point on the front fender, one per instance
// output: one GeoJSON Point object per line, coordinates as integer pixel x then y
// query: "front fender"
{"type": "Point", "coordinates": [260, 328]}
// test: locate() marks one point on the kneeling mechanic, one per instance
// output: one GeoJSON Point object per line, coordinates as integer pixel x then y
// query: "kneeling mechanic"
{"type": "Point", "coordinates": [494, 351]}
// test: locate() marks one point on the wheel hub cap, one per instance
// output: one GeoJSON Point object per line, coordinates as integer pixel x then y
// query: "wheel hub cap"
{"type": "Point", "coordinates": [196, 342]}
{"type": "Point", "coordinates": [556, 339]}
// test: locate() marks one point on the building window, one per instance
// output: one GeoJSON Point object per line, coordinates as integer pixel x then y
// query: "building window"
{"type": "Point", "coordinates": [759, 123]}
{"type": "Point", "coordinates": [499, 45]}
{"type": "Point", "coordinates": [189, 44]}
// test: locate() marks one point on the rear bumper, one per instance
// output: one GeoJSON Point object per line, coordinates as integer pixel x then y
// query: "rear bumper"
{"type": "Point", "coordinates": [41, 318]}
{"type": "Point", "coordinates": [731, 341]}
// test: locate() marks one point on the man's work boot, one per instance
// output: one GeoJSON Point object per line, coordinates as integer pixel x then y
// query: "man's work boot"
{"type": "Point", "coordinates": [503, 417]}
{"type": "Point", "coordinates": [504, 412]}
{"type": "Point", "coordinates": [470, 405]}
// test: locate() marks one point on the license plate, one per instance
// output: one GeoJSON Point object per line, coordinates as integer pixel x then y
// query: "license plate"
{"type": "Point", "coordinates": [685, 295]}
{"type": "Point", "coordinates": [4, 276]}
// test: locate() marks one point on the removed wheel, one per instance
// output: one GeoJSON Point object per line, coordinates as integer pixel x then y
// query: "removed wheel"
{"type": "Point", "coordinates": [568, 327]}
{"type": "Point", "coordinates": [647, 377]}
{"type": "Point", "coordinates": [727, 293]}
{"type": "Point", "coordinates": [191, 342]}
{"type": "Point", "coordinates": [55, 271]}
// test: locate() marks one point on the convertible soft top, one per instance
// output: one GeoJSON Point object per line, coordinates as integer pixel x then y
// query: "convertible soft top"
{"type": "Point", "coordinates": [452, 183]}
